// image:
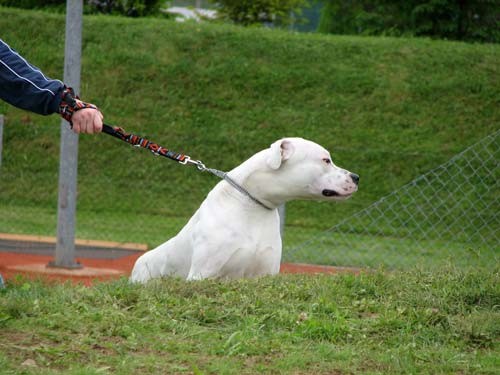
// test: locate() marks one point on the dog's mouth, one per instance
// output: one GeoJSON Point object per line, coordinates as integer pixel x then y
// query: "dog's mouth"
{"type": "Point", "coordinates": [333, 193]}
{"type": "Point", "coordinates": [330, 193]}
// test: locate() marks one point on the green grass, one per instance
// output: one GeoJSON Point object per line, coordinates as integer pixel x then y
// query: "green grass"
{"type": "Point", "coordinates": [381, 323]}
{"type": "Point", "coordinates": [388, 109]}
{"type": "Point", "coordinates": [362, 250]}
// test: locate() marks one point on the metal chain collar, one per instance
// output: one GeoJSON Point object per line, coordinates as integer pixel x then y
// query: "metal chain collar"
{"type": "Point", "coordinates": [224, 176]}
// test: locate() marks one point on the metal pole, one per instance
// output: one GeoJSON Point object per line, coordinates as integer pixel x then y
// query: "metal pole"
{"type": "Point", "coordinates": [282, 213]}
{"type": "Point", "coordinates": [1, 138]}
{"type": "Point", "coordinates": [66, 210]}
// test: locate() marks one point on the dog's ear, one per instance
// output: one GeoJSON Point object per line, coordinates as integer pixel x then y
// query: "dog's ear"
{"type": "Point", "coordinates": [279, 152]}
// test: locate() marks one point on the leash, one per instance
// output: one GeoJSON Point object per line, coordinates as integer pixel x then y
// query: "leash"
{"type": "Point", "coordinates": [158, 150]}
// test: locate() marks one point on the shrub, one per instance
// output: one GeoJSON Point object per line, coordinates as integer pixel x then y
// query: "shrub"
{"type": "Point", "coordinates": [470, 20]}
{"type": "Point", "coordinates": [131, 8]}
{"type": "Point", "coordinates": [34, 4]}
{"type": "Point", "coordinates": [254, 12]}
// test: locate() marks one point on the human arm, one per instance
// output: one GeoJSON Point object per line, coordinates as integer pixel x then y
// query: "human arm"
{"type": "Point", "coordinates": [25, 86]}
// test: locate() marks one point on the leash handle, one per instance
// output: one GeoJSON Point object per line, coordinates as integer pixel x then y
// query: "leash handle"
{"type": "Point", "coordinates": [138, 141]}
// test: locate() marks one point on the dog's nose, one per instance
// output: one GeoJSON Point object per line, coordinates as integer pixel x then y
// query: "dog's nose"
{"type": "Point", "coordinates": [355, 178]}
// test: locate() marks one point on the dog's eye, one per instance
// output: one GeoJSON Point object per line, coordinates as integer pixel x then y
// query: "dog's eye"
{"type": "Point", "coordinates": [327, 161]}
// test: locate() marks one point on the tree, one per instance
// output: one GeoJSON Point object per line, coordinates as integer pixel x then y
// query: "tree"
{"type": "Point", "coordinates": [472, 20]}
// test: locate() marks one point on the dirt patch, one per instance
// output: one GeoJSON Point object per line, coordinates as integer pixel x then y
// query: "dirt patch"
{"type": "Point", "coordinates": [313, 268]}
{"type": "Point", "coordinates": [34, 267]}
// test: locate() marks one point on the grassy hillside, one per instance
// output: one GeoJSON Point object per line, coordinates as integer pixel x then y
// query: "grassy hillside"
{"type": "Point", "coordinates": [388, 109]}
{"type": "Point", "coordinates": [401, 323]}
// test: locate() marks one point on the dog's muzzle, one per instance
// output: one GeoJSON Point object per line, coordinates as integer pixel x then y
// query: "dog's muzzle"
{"type": "Point", "coordinates": [333, 193]}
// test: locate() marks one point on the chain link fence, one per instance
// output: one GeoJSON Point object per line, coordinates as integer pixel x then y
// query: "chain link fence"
{"type": "Point", "coordinates": [448, 215]}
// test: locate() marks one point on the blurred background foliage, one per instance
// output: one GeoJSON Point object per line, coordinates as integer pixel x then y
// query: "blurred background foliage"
{"type": "Point", "coordinates": [466, 20]}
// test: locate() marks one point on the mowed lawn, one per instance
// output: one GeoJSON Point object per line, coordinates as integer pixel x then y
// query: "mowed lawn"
{"type": "Point", "coordinates": [388, 109]}
{"type": "Point", "coordinates": [444, 322]}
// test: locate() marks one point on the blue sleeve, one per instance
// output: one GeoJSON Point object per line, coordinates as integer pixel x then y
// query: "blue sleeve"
{"type": "Point", "coordinates": [25, 86]}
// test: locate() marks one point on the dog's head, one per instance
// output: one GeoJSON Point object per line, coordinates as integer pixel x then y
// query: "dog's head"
{"type": "Point", "coordinates": [309, 172]}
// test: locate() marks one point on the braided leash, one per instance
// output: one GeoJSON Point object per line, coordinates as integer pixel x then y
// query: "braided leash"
{"type": "Point", "coordinates": [70, 103]}
{"type": "Point", "coordinates": [137, 141]}
{"type": "Point", "coordinates": [158, 150]}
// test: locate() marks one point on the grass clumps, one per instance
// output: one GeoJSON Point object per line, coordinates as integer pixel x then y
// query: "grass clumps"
{"type": "Point", "coordinates": [405, 322]}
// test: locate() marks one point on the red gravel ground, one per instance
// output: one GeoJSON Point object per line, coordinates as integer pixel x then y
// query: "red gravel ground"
{"type": "Point", "coordinates": [34, 266]}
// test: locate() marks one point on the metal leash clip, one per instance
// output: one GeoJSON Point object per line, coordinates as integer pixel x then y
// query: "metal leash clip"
{"type": "Point", "coordinates": [198, 163]}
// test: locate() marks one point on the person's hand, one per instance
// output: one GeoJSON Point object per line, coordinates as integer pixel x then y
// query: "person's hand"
{"type": "Point", "coordinates": [83, 117]}
{"type": "Point", "coordinates": [87, 120]}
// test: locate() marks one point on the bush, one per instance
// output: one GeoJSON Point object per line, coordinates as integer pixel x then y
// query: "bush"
{"type": "Point", "coordinates": [469, 20]}
{"type": "Point", "coordinates": [34, 4]}
{"type": "Point", "coordinates": [254, 12]}
{"type": "Point", "coordinates": [131, 8]}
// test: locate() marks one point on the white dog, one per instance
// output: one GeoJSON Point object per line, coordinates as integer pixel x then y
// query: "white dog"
{"type": "Point", "coordinates": [233, 235]}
